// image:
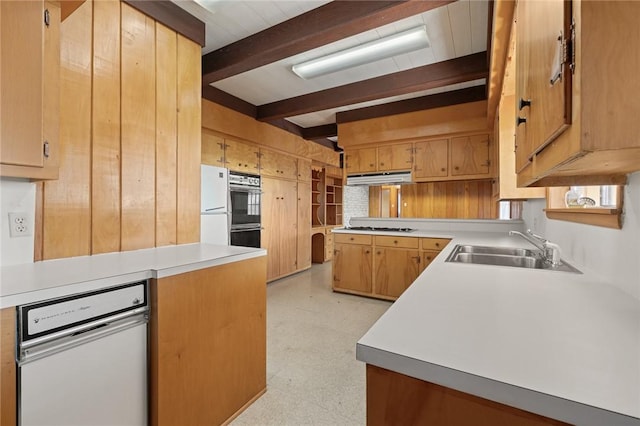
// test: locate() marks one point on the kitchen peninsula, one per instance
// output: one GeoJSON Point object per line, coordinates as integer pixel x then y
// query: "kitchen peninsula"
{"type": "Point", "coordinates": [500, 343]}
{"type": "Point", "coordinates": [196, 291]}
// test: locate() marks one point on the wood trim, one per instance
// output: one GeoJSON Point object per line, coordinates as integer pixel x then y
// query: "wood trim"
{"type": "Point", "coordinates": [459, 70]}
{"type": "Point", "coordinates": [499, 38]}
{"type": "Point", "coordinates": [608, 218]}
{"type": "Point", "coordinates": [38, 224]}
{"type": "Point", "coordinates": [8, 401]}
{"type": "Point", "coordinates": [455, 97]}
{"type": "Point", "coordinates": [581, 180]}
{"type": "Point", "coordinates": [393, 398]}
{"type": "Point", "coordinates": [321, 26]}
{"type": "Point", "coordinates": [67, 7]}
{"type": "Point", "coordinates": [173, 16]}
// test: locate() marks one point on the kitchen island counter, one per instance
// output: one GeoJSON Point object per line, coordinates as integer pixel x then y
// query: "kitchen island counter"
{"type": "Point", "coordinates": [558, 344]}
{"type": "Point", "coordinates": [32, 282]}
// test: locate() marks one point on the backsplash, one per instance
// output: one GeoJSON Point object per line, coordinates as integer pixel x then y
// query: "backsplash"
{"type": "Point", "coordinates": [356, 202]}
{"type": "Point", "coordinates": [614, 254]}
{"type": "Point", "coordinates": [16, 195]}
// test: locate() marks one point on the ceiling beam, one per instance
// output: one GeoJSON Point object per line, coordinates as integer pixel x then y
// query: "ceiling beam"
{"type": "Point", "coordinates": [320, 132]}
{"type": "Point", "coordinates": [326, 24]}
{"type": "Point", "coordinates": [225, 99]}
{"type": "Point", "coordinates": [455, 97]}
{"type": "Point", "coordinates": [459, 70]}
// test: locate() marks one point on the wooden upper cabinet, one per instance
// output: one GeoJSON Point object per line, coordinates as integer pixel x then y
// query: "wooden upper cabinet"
{"type": "Point", "coordinates": [545, 84]}
{"type": "Point", "coordinates": [29, 95]}
{"type": "Point", "coordinates": [431, 159]}
{"type": "Point", "coordinates": [361, 160]}
{"type": "Point", "coordinates": [278, 165]}
{"type": "Point", "coordinates": [241, 157]}
{"type": "Point", "coordinates": [212, 149]}
{"type": "Point", "coordinates": [304, 170]}
{"type": "Point", "coordinates": [395, 157]}
{"type": "Point", "coordinates": [470, 155]}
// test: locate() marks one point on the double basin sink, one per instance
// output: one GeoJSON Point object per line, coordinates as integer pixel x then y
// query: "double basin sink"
{"type": "Point", "coordinates": [505, 256]}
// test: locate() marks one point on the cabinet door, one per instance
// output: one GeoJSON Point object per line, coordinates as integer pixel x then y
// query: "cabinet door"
{"type": "Point", "coordinates": [304, 170]}
{"type": "Point", "coordinates": [278, 165]}
{"type": "Point", "coordinates": [361, 160]}
{"type": "Point", "coordinates": [540, 24]}
{"type": "Point", "coordinates": [470, 155]}
{"type": "Point", "coordinates": [427, 258]}
{"type": "Point", "coordinates": [395, 157]}
{"type": "Point", "coordinates": [352, 267]}
{"type": "Point", "coordinates": [304, 225]}
{"type": "Point", "coordinates": [212, 149]}
{"type": "Point", "coordinates": [270, 225]}
{"type": "Point", "coordinates": [431, 159]}
{"type": "Point", "coordinates": [241, 157]}
{"type": "Point", "coordinates": [288, 226]}
{"type": "Point", "coordinates": [395, 270]}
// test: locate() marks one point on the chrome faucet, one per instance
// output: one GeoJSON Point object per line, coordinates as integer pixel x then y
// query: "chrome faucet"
{"type": "Point", "coordinates": [550, 251]}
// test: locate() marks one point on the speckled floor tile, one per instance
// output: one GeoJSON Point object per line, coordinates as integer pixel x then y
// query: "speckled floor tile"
{"type": "Point", "coordinates": [313, 377]}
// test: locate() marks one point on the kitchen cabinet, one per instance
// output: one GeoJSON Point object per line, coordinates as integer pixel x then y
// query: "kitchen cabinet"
{"type": "Point", "coordinates": [278, 165]}
{"type": "Point", "coordinates": [30, 89]}
{"type": "Point", "coordinates": [304, 170]}
{"type": "Point", "coordinates": [212, 149]}
{"type": "Point", "coordinates": [333, 202]}
{"type": "Point", "coordinates": [470, 155]}
{"type": "Point", "coordinates": [580, 129]}
{"type": "Point", "coordinates": [242, 157]}
{"type": "Point", "coordinates": [279, 223]}
{"type": "Point", "coordinates": [322, 244]}
{"type": "Point", "coordinates": [207, 343]}
{"type": "Point", "coordinates": [431, 159]}
{"type": "Point", "coordinates": [304, 226]}
{"type": "Point", "coordinates": [362, 160]}
{"type": "Point", "coordinates": [8, 375]}
{"type": "Point", "coordinates": [396, 265]}
{"type": "Point", "coordinates": [395, 157]}
{"type": "Point", "coordinates": [352, 261]}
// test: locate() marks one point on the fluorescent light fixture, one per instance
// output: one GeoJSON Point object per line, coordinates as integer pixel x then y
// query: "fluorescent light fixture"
{"type": "Point", "coordinates": [383, 48]}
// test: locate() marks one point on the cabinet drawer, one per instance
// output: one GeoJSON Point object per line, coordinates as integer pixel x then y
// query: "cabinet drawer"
{"type": "Point", "coordinates": [403, 242]}
{"type": "Point", "coordinates": [434, 243]}
{"type": "Point", "coordinates": [328, 240]}
{"type": "Point", "coordinates": [352, 239]}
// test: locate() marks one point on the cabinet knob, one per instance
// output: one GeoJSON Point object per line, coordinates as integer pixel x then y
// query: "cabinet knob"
{"type": "Point", "coordinates": [456, 168]}
{"type": "Point", "coordinates": [437, 244]}
{"type": "Point", "coordinates": [524, 103]}
{"type": "Point", "coordinates": [382, 164]}
{"type": "Point", "coordinates": [378, 252]}
{"type": "Point", "coordinates": [520, 120]}
{"type": "Point", "coordinates": [370, 164]}
{"type": "Point", "coordinates": [442, 169]}
{"type": "Point", "coordinates": [366, 252]}
{"type": "Point", "coordinates": [395, 241]}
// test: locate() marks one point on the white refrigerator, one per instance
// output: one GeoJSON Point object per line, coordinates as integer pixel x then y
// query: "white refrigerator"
{"type": "Point", "coordinates": [215, 215]}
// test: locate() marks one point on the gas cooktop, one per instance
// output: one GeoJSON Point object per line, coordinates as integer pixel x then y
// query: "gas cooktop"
{"type": "Point", "coordinates": [375, 228]}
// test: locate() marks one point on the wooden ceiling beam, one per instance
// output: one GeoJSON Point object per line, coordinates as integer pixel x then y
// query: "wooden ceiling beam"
{"type": "Point", "coordinates": [459, 70]}
{"type": "Point", "coordinates": [455, 97]}
{"type": "Point", "coordinates": [320, 132]}
{"type": "Point", "coordinates": [326, 24]}
{"type": "Point", "coordinates": [173, 16]}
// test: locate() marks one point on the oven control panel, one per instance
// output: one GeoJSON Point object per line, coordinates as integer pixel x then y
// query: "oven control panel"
{"type": "Point", "coordinates": [244, 179]}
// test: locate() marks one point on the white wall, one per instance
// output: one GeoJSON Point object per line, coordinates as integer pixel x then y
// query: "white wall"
{"type": "Point", "coordinates": [355, 203]}
{"type": "Point", "coordinates": [16, 195]}
{"type": "Point", "coordinates": [612, 253]}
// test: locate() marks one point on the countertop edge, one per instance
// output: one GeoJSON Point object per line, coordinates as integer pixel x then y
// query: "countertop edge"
{"type": "Point", "coordinates": [504, 393]}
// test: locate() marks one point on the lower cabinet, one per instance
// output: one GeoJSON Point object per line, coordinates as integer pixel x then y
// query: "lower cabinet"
{"type": "Point", "coordinates": [352, 256]}
{"type": "Point", "coordinates": [393, 398]}
{"type": "Point", "coordinates": [381, 266]}
{"type": "Point", "coordinates": [208, 343]}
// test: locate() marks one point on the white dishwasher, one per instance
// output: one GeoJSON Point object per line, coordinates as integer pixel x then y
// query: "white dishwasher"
{"type": "Point", "coordinates": [82, 360]}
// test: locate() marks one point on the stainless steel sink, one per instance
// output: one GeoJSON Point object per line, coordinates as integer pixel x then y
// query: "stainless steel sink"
{"type": "Point", "coordinates": [505, 256]}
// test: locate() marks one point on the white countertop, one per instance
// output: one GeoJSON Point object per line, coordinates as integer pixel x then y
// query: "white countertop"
{"type": "Point", "coordinates": [559, 344]}
{"type": "Point", "coordinates": [32, 282]}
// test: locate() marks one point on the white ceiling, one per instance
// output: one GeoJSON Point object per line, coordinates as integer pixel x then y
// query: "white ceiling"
{"type": "Point", "coordinates": [455, 30]}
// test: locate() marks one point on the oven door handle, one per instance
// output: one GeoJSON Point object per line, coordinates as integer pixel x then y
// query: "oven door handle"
{"type": "Point", "coordinates": [250, 189]}
{"type": "Point", "coordinates": [246, 229]}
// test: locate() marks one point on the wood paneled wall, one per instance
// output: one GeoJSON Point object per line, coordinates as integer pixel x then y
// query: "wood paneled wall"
{"type": "Point", "coordinates": [130, 120]}
{"type": "Point", "coordinates": [440, 200]}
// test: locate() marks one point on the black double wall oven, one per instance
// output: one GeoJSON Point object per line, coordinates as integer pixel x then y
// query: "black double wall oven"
{"type": "Point", "coordinates": [245, 191]}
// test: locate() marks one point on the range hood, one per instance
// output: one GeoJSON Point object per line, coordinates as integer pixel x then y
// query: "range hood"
{"type": "Point", "coordinates": [382, 178]}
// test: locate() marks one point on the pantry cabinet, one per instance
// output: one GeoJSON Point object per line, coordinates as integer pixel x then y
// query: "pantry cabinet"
{"type": "Point", "coordinates": [577, 125]}
{"type": "Point", "coordinates": [30, 89]}
{"type": "Point", "coordinates": [279, 223]}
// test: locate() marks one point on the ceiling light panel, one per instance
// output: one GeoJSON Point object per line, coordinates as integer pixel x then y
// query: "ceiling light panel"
{"type": "Point", "coordinates": [404, 42]}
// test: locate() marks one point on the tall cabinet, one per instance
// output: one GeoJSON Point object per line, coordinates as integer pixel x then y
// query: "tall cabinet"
{"type": "Point", "coordinates": [279, 233]}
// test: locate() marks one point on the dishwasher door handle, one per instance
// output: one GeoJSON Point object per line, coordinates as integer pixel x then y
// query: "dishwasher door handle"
{"type": "Point", "coordinates": [98, 331]}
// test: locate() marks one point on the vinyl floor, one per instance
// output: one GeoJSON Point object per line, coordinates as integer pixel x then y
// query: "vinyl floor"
{"type": "Point", "coordinates": [313, 377]}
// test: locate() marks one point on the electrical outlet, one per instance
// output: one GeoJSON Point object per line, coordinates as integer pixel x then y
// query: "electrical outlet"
{"type": "Point", "coordinates": [19, 225]}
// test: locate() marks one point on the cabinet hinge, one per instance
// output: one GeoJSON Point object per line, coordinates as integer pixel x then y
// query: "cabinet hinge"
{"type": "Point", "coordinates": [47, 17]}
{"type": "Point", "coordinates": [571, 49]}
{"type": "Point", "coordinates": [45, 149]}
